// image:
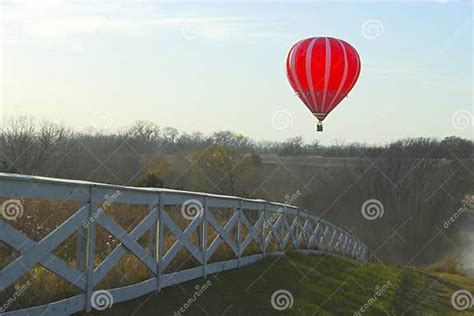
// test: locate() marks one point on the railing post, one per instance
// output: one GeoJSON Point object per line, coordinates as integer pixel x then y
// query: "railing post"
{"type": "Point", "coordinates": [304, 228]}
{"type": "Point", "coordinates": [314, 235]}
{"type": "Point", "coordinates": [298, 230]}
{"type": "Point", "coordinates": [316, 232]}
{"type": "Point", "coordinates": [81, 245]}
{"type": "Point", "coordinates": [342, 242]}
{"type": "Point", "coordinates": [337, 239]}
{"type": "Point", "coordinates": [309, 221]}
{"type": "Point", "coordinates": [344, 246]}
{"type": "Point", "coordinates": [91, 234]}
{"type": "Point", "coordinates": [327, 237]}
{"type": "Point", "coordinates": [293, 231]}
{"type": "Point", "coordinates": [239, 234]}
{"type": "Point", "coordinates": [161, 243]}
{"type": "Point", "coordinates": [204, 237]}
{"type": "Point", "coordinates": [350, 246]}
{"type": "Point", "coordinates": [265, 222]}
{"type": "Point", "coordinates": [342, 237]}
{"type": "Point", "coordinates": [333, 239]}
{"type": "Point", "coordinates": [153, 232]}
{"type": "Point", "coordinates": [358, 251]}
{"type": "Point", "coordinates": [354, 248]}
{"type": "Point", "coordinates": [282, 228]}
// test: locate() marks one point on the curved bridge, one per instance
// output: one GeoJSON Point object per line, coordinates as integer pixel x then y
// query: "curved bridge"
{"type": "Point", "coordinates": [256, 222]}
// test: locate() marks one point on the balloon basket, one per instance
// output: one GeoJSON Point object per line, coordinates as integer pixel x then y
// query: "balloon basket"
{"type": "Point", "coordinates": [319, 127]}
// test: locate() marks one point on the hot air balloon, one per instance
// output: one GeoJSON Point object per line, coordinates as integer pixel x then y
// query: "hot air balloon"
{"type": "Point", "coordinates": [322, 71]}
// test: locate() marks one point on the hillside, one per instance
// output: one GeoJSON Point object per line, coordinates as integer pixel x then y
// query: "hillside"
{"type": "Point", "coordinates": [320, 285]}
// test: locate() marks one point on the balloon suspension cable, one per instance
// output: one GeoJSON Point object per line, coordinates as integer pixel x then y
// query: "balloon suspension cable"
{"type": "Point", "coordinates": [319, 127]}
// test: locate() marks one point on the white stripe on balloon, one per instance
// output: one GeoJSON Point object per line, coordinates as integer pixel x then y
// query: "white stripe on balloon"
{"type": "Point", "coordinates": [309, 74]}
{"type": "Point", "coordinates": [344, 75]}
{"type": "Point", "coordinates": [327, 72]}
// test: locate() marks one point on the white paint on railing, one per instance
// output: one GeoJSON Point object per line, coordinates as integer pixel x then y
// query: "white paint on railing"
{"type": "Point", "coordinates": [318, 235]}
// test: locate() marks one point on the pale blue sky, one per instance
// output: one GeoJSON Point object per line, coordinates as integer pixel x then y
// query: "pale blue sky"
{"type": "Point", "coordinates": [220, 66]}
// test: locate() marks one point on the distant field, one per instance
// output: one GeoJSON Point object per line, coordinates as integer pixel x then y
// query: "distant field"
{"type": "Point", "coordinates": [319, 285]}
{"type": "Point", "coordinates": [316, 161]}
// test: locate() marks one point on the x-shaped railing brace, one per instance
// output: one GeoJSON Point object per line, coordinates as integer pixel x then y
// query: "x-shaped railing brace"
{"type": "Point", "coordinates": [41, 252]}
{"type": "Point", "coordinates": [130, 242]}
{"type": "Point", "coordinates": [222, 234]}
{"type": "Point", "coordinates": [252, 232]}
{"type": "Point", "coordinates": [273, 230]}
{"type": "Point", "coordinates": [290, 232]}
{"type": "Point", "coordinates": [181, 239]}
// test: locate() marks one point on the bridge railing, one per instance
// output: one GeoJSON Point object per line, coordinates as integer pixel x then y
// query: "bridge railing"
{"type": "Point", "coordinates": [272, 228]}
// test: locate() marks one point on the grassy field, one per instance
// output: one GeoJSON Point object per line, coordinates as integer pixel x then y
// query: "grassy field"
{"type": "Point", "coordinates": [319, 285]}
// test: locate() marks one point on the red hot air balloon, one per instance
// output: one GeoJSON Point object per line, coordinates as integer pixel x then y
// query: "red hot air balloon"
{"type": "Point", "coordinates": [322, 71]}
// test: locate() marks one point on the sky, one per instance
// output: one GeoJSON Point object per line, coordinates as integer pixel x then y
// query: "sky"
{"type": "Point", "coordinates": [220, 65]}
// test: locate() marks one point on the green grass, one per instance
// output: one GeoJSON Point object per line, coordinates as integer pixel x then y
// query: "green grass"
{"type": "Point", "coordinates": [320, 285]}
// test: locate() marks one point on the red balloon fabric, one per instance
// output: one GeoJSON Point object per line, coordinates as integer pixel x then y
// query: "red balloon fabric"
{"type": "Point", "coordinates": [322, 71]}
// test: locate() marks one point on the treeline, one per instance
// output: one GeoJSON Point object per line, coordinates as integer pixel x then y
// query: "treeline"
{"type": "Point", "coordinates": [34, 147]}
{"type": "Point", "coordinates": [420, 182]}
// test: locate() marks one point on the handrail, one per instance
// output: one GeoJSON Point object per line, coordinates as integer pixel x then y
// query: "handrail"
{"type": "Point", "coordinates": [287, 225]}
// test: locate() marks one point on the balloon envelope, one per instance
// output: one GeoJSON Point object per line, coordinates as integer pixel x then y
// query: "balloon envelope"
{"type": "Point", "coordinates": [322, 71]}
